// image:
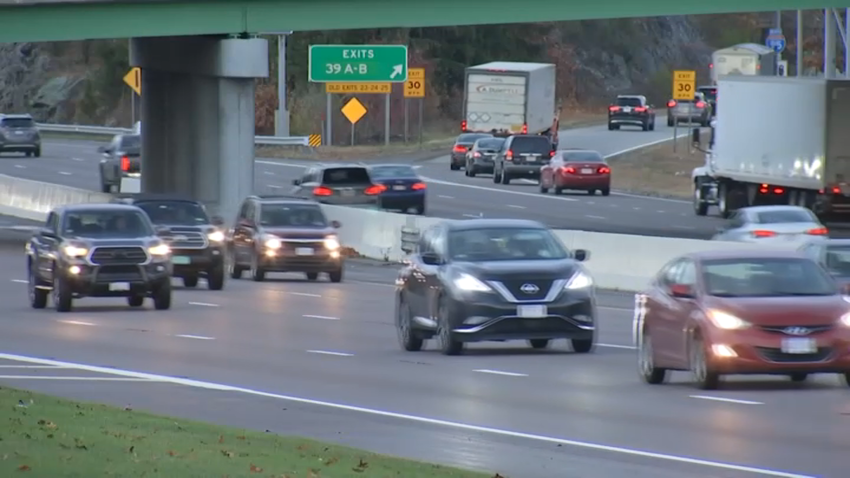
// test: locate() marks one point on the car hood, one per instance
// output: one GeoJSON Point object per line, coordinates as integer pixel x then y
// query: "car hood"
{"type": "Point", "coordinates": [783, 311]}
{"type": "Point", "coordinates": [515, 270]}
{"type": "Point", "coordinates": [300, 232]}
{"type": "Point", "coordinates": [114, 242]}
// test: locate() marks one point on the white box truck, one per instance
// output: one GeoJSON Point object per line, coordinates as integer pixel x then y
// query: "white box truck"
{"type": "Point", "coordinates": [504, 98]}
{"type": "Point", "coordinates": [778, 140]}
{"type": "Point", "coordinates": [745, 59]}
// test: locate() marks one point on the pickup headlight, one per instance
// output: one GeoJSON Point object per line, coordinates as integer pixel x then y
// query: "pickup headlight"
{"type": "Point", "coordinates": [75, 251]}
{"type": "Point", "coordinates": [215, 236]}
{"type": "Point", "coordinates": [159, 250]}
{"type": "Point", "coordinates": [272, 243]}
{"type": "Point", "coordinates": [845, 320]}
{"type": "Point", "coordinates": [726, 321]}
{"type": "Point", "coordinates": [332, 243]}
{"type": "Point", "coordinates": [468, 283]}
{"type": "Point", "coordinates": [579, 280]}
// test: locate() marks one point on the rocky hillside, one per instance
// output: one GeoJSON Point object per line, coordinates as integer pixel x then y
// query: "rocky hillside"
{"type": "Point", "coordinates": [80, 82]}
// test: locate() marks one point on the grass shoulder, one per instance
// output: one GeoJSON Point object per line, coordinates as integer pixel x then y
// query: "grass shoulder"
{"type": "Point", "coordinates": [50, 437]}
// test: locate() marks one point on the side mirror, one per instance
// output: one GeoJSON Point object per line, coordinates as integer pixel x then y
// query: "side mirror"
{"type": "Point", "coordinates": [336, 224]}
{"type": "Point", "coordinates": [46, 232]}
{"type": "Point", "coordinates": [682, 291]}
{"type": "Point", "coordinates": [296, 182]}
{"type": "Point", "coordinates": [217, 221]}
{"type": "Point", "coordinates": [431, 259]}
{"type": "Point", "coordinates": [581, 255]}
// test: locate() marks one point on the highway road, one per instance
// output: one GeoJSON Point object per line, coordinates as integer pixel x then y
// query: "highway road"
{"type": "Point", "coordinates": [322, 360]}
{"type": "Point", "coordinates": [451, 194]}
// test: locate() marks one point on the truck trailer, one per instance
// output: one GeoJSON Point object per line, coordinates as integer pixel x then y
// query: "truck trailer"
{"type": "Point", "coordinates": [504, 98]}
{"type": "Point", "coordinates": [778, 140]}
{"type": "Point", "coordinates": [745, 59]}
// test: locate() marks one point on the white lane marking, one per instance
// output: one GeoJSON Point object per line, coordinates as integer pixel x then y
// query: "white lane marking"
{"type": "Point", "coordinates": [504, 191]}
{"type": "Point", "coordinates": [286, 165]}
{"type": "Point", "coordinates": [645, 145]}
{"type": "Point", "coordinates": [20, 281]}
{"type": "Point", "coordinates": [196, 337]}
{"type": "Point", "coordinates": [20, 166]}
{"type": "Point", "coordinates": [204, 304]}
{"type": "Point", "coordinates": [660, 211]}
{"type": "Point", "coordinates": [77, 159]}
{"type": "Point", "coordinates": [329, 352]}
{"type": "Point", "coordinates": [272, 186]}
{"type": "Point", "coordinates": [30, 366]}
{"type": "Point", "coordinates": [92, 379]}
{"type": "Point", "coordinates": [609, 307]}
{"type": "Point", "coordinates": [321, 317]}
{"type": "Point", "coordinates": [591, 216]}
{"type": "Point", "coordinates": [653, 198]}
{"type": "Point", "coordinates": [441, 196]}
{"type": "Point", "coordinates": [499, 372]}
{"type": "Point", "coordinates": [515, 206]}
{"type": "Point", "coordinates": [77, 322]}
{"type": "Point", "coordinates": [268, 173]}
{"type": "Point", "coordinates": [474, 216]}
{"type": "Point", "coordinates": [411, 418]}
{"type": "Point", "coordinates": [64, 173]}
{"type": "Point", "coordinates": [616, 346]}
{"type": "Point", "coordinates": [527, 181]}
{"type": "Point", "coordinates": [304, 294]}
{"type": "Point", "coordinates": [727, 400]}
{"type": "Point", "coordinates": [675, 226]}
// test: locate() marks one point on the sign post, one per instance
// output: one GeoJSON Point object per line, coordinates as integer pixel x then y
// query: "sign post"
{"type": "Point", "coordinates": [414, 87]}
{"type": "Point", "coordinates": [776, 41]}
{"type": "Point", "coordinates": [133, 79]}
{"type": "Point", "coordinates": [353, 111]}
{"type": "Point", "coordinates": [684, 86]}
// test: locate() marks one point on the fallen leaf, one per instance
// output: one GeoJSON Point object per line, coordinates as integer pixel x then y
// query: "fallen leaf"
{"type": "Point", "coordinates": [313, 474]}
{"type": "Point", "coordinates": [172, 453]}
{"type": "Point", "coordinates": [302, 447]}
{"type": "Point", "coordinates": [227, 453]}
{"type": "Point", "coordinates": [255, 469]}
{"type": "Point", "coordinates": [24, 468]}
{"type": "Point", "coordinates": [331, 461]}
{"type": "Point", "coordinates": [131, 449]}
{"type": "Point", "coordinates": [221, 438]}
{"type": "Point", "coordinates": [498, 476]}
{"type": "Point", "coordinates": [240, 437]}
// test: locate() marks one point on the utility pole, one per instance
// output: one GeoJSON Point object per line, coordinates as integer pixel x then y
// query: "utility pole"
{"type": "Point", "coordinates": [799, 69]}
{"type": "Point", "coordinates": [282, 124]}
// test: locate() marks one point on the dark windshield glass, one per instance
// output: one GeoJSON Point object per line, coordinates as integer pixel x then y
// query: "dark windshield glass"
{"type": "Point", "coordinates": [505, 244]}
{"type": "Point", "coordinates": [785, 216]}
{"type": "Point", "coordinates": [399, 171]}
{"type": "Point", "coordinates": [710, 93]}
{"type": "Point", "coordinates": [531, 145]}
{"type": "Point", "coordinates": [629, 101]}
{"type": "Point", "coordinates": [94, 223]}
{"type": "Point", "coordinates": [471, 138]}
{"type": "Point", "coordinates": [177, 213]}
{"type": "Point", "coordinates": [837, 260]}
{"type": "Point", "coordinates": [131, 143]}
{"type": "Point", "coordinates": [17, 123]}
{"type": "Point", "coordinates": [772, 277]}
{"type": "Point", "coordinates": [490, 143]}
{"type": "Point", "coordinates": [346, 176]}
{"type": "Point", "coordinates": [292, 215]}
{"type": "Point", "coordinates": [583, 156]}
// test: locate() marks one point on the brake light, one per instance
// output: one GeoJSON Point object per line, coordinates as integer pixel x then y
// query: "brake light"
{"type": "Point", "coordinates": [418, 186]}
{"type": "Point", "coordinates": [375, 189]}
{"type": "Point", "coordinates": [671, 103]}
{"type": "Point", "coordinates": [763, 233]}
{"type": "Point", "coordinates": [836, 190]}
{"type": "Point", "coordinates": [766, 189]}
{"type": "Point", "coordinates": [569, 170]}
{"type": "Point", "coordinates": [819, 231]}
{"type": "Point", "coordinates": [459, 149]}
{"type": "Point", "coordinates": [613, 108]}
{"type": "Point", "coordinates": [551, 154]}
{"type": "Point", "coordinates": [125, 163]}
{"type": "Point", "coordinates": [604, 170]}
{"type": "Point", "coordinates": [509, 156]}
{"type": "Point", "coordinates": [778, 190]}
{"type": "Point", "coordinates": [476, 154]}
{"type": "Point", "coordinates": [463, 125]}
{"type": "Point", "coordinates": [641, 109]}
{"type": "Point", "coordinates": [524, 128]}
{"type": "Point", "coordinates": [322, 191]}
{"type": "Point", "coordinates": [700, 104]}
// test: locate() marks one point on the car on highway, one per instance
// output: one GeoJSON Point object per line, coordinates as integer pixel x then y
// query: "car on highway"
{"type": "Point", "coordinates": [19, 134]}
{"type": "Point", "coordinates": [479, 158]}
{"type": "Point", "coordinates": [710, 95]}
{"type": "Point", "coordinates": [721, 313]}
{"type": "Point", "coordinates": [403, 191]}
{"type": "Point", "coordinates": [339, 185]}
{"type": "Point", "coordinates": [462, 144]}
{"type": "Point", "coordinates": [196, 239]}
{"type": "Point", "coordinates": [576, 169]}
{"type": "Point", "coordinates": [833, 255]}
{"type": "Point", "coordinates": [521, 156]}
{"type": "Point", "coordinates": [772, 225]}
{"type": "Point", "coordinates": [631, 110]}
{"type": "Point", "coordinates": [494, 280]}
{"type": "Point", "coordinates": [284, 234]}
{"type": "Point", "coordinates": [98, 250]}
{"type": "Point", "coordinates": [122, 158]}
{"type": "Point", "coordinates": [696, 111]}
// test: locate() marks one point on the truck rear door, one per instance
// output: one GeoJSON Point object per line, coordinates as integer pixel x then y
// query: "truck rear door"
{"type": "Point", "coordinates": [495, 102]}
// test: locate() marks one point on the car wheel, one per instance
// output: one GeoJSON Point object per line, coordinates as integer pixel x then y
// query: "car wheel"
{"type": "Point", "coordinates": [258, 274]}
{"type": "Point", "coordinates": [558, 190]}
{"type": "Point", "coordinates": [505, 178]}
{"type": "Point", "coordinates": [449, 345]}
{"type": "Point", "coordinates": [38, 297]}
{"type": "Point", "coordinates": [190, 281]}
{"type": "Point", "coordinates": [453, 166]}
{"type": "Point", "coordinates": [135, 300]}
{"type": "Point", "coordinates": [335, 276]}
{"type": "Point", "coordinates": [470, 171]}
{"type": "Point", "coordinates": [420, 209]}
{"type": "Point", "coordinates": [798, 377]}
{"type": "Point", "coordinates": [543, 188]}
{"type": "Point", "coordinates": [703, 375]}
{"type": "Point", "coordinates": [215, 277]}
{"type": "Point", "coordinates": [846, 376]}
{"type": "Point", "coordinates": [63, 300]}
{"type": "Point", "coordinates": [582, 346]}
{"type": "Point", "coordinates": [591, 192]}
{"type": "Point", "coordinates": [162, 296]}
{"type": "Point", "coordinates": [497, 176]}
{"type": "Point", "coordinates": [646, 362]}
{"type": "Point", "coordinates": [669, 121]}
{"type": "Point", "coordinates": [606, 192]}
{"type": "Point", "coordinates": [645, 126]}
{"type": "Point", "coordinates": [233, 267]}
{"type": "Point", "coordinates": [610, 127]}
{"type": "Point", "coordinates": [312, 275]}
{"type": "Point", "coordinates": [538, 343]}
{"type": "Point", "coordinates": [407, 335]}
{"type": "Point", "coordinates": [37, 153]}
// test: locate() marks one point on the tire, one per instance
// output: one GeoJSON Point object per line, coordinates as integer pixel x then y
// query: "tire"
{"type": "Point", "coordinates": [215, 277]}
{"type": "Point", "coordinates": [407, 335]}
{"type": "Point", "coordinates": [453, 166]}
{"type": "Point", "coordinates": [669, 122]}
{"type": "Point", "coordinates": [447, 339]}
{"type": "Point", "coordinates": [37, 153]}
{"type": "Point", "coordinates": [591, 192]}
{"type": "Point", "coordinates": [235, 270]}
{"type": "Point", "coordinates": [646, 362]}
{"type": "Point", "coordinates": [497, 176]}
{"type": "Point", "coordinates": [312, 275]}
{"type": "Point", "coordinates": [162, 296]}
{"type": "Point", "coordinates": [505, 179]}
{"type": "Point", "coordinates": [258, 274]}
{"type": "Point", "coordinates": [645, 126]}
{"type": "Point", "coordinates": [135, 300]}
{"type": "Point", "coordinates": [798, 377]}
{"type": "Point", "coordinates": [558, 190]}
{"type": "Point", "coordinates": [335, 276]}
{"type": "Point", "coordinates": [704, 377]}
{"type": "Point", "coordinates": [582, 346]}
{"type": "Point", "coordinates": [543, 188]}
{"type": "Point", "coordinates": [470, 171]}
{"type": "Point", "coordinates": [652, 125]}
{"type": "Point", "coordinates": [63, 300]}
{"type": "Point", "coordinates": [610, 127]}
{"type": "Point", "coordinates": [420, 209]}
{"type": "Point", "coordinates": [606, 192]}
{"type": "Point", "coordinates": [190, 281]}
{"type": "Point", "coordinates": [38, 297]}
{"type": "Point", "coordinates": [700, 206]}
{"type": "Point", "coordinates": [538, 344]}
{"type": "Point", "coordinates": [846, 376]}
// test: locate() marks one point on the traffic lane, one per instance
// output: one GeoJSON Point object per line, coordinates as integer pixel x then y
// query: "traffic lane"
{"type": "Point", "coordinates": [598, 138]}
{"type": "Point", "coordinates": [67, 162]}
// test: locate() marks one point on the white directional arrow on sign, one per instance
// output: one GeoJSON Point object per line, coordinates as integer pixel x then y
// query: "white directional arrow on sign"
{"type": "Point", "coordinates": [396, 71]}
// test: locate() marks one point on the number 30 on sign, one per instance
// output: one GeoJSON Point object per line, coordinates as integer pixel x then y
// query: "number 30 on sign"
{"type": "Point", "coordinates": [684, 84]}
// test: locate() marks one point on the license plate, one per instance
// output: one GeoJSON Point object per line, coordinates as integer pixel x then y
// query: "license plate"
{"type": "Point", "coordinates": [347, 192]}
{"type": "Point", "coordinates": [399, 188]}
{"type": "Point", "coordinates": [181, 260]}
{"type": "Point", "coordinates": [791, 237]}
{"type": "Point", "coordinates": [586, 171]}
{"type": "Point", "coordinates": [799, 346]}
{"type": "Point", "coordinates": [19, 132]}
{"type": "Point", "coordinates": [119, 286]}
{"type": "Point", "coordinates": [304, 251]}
{"type": "Point", "coordinates": [627, 109]}
{"type": "Point", "coordinates": [531, 311]}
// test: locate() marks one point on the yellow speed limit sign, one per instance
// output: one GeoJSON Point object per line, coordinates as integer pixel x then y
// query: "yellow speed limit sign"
{"type": "Point", "coordinates": [414, 87]}
{"type": "Point", "coordinates": [684, 84]}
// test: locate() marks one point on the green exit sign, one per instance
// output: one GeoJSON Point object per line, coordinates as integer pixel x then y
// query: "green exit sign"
{"type": "Point", "coordinates": [374, 63]}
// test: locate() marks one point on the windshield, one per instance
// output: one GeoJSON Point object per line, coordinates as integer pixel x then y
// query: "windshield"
{"type": "Point", "coordinates": [771, 277]}
{"type": "Point", "coordinates": [629, 101]}
{"type": "Point", "coordinates": [17, 123]}
{"type": "Point", "coordinates": [105, 223]}
{"type": "Point", "coordinates": [400, 171]}
{"type": "Point", "coordinates": [131, 143]}
{"type": "Point", "coordinates": [471, 138]}
{"type": "Point", "coordinates": [490, 143]}
{"type": "Point", "coordinates": [837, 260]}
{"type": "Point", "coordinates": [292, 215]}
{"type": "Point", "coordinates": [583, 156]}
{"type": "Point", "coordinates": [709, 93]}
{"type": "Point", "coordinates": [785, 216]}
{"type": "Point", "coordinates": [531, 145]}
{"type": "Point", "coordinates": [504, 244]}
{"type": "Point", "coordinates": [177, 213]}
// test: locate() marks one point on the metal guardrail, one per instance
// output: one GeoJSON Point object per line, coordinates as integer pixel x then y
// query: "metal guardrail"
{"type": "Point", "coordinates": [104, 130]}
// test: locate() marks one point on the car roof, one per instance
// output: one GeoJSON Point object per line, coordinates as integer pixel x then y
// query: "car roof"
{"type": "Point", "coordinates": [578, 150]}
{"type": "Point", "coordinates": [470, 224]}
{"type": "Point", "coordinates": [745, 254]}
{"type": "Point", "coordinates": [642, 97]}
{"type": "Point", "coordinates": [97, 207]}
{"type": "Point", "coordinates": [134, 198]}
{"type": "Point", "coordinates": [707, 87]}
{"type": "Point", "coordinates": [391, 165]}
{"type": "Point", "coordinates": [282, 199]}
{"type": "Point", "coordinates": [758, 209]}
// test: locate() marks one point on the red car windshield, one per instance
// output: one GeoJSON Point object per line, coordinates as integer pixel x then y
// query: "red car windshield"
{"type": "Point", "coordinates": [766, 277]}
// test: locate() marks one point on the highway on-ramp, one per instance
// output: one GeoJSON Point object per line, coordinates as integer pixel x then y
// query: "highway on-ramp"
{"type": "Point", "coordinates": [322, 360]}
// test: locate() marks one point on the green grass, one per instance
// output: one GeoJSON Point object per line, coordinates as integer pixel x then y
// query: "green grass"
{"type": "Point", "coordinates": [55, 438]}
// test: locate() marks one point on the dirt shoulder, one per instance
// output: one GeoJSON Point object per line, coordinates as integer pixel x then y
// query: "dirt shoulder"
{"type": "Point", "coordinates": [657, 170]}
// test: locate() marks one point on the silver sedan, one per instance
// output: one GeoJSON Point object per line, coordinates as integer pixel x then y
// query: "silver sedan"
{"type": "Point", "coordinates": [773, 225]}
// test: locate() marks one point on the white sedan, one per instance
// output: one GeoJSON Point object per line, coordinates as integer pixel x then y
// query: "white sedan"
{"type": "Point", "coordinates": [773, 225]}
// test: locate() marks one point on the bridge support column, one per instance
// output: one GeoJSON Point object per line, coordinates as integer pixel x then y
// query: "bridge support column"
{"type": "Point", "coordinates": [197, 108]}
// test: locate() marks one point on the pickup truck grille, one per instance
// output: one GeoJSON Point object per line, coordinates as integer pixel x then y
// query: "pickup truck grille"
{"type": "Point", "coordinates": [178, 239]}
{"type": "Point", "coordinates": [118, 255]}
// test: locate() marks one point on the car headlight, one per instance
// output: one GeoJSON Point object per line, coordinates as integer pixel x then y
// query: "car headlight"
{"type": "Point", "coordinates": [845, 320]}
{"type": "Point", "coordinates": [272, 243]}
{"type": "Point", "coordinates": [468, 283]}
{"type": "Point", "coordinates": [74, 251]}
{"type": "Point", "coordinates": [727, 321]}
{"type": "Point", "coordinates": [159, 250]}
{"type": "Point", "coordinates": [332, 243]}
{"type": "Point", "coordinates": [215, 236]}
{"type": "Point", "coordinates": [579, 280]}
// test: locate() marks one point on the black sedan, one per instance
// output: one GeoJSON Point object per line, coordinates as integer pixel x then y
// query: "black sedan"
{"type": "Point", "coordinates": [403, 188]}
{"type": "Point", "coordinates": [494, 280]}
{"type": "Point", "coordinates": [462, 144]}
{"type": "Point", "coordinates": [479, 159]}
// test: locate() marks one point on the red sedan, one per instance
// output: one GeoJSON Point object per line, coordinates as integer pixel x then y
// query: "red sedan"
{"type": "Point", "coordinates": [576, 169]}
{"type": "Point", "coordinates": [752, 312]}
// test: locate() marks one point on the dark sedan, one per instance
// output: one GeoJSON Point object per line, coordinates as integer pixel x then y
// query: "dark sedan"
{"type": "Point", "coordinates": [479, 159]}
{"type": "Point", "coordinates": [494, 280]}
{"type": "Point", "coordinates": [404, 189]}
{"type": "Point", "coordinates": [462, 144]}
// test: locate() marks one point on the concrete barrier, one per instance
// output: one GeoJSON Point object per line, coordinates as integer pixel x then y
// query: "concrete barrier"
{"type": "Point", "coordinates": [33, 199]}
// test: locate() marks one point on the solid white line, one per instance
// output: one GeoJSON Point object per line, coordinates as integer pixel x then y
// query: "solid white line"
{"type": "Point", "coordinates": [728, 400]}
{"type": "Point", "coordinates": [444, 197]}
{"type": "Point", "coordinates": [204, 304]}
{"type": "Point", "coordinates": [515, 206]}
{"type": "Point", "coordinates": [475, 216]}
{"type": "Point", "coordinates": [411, 418]}
{"type": "Point", "coordinates": [273, 186]}
{"type": "Point", "coordinates": [77, 322]}
{"type": "Point", "coordinates": [322, 317]}
{"type": "Point", "coordinates": [591, 216]}
{"type": "Point", "coordinates": [197, 337]}
{"type": "Point", "coordinates": [304, 294]}
{"type": "Point", "coordinates": [77, 159]}
{"type": "Point", "coordinates": [64, 173]}
{"type": "Point", "coordinates": [20, 166]}
{"type": "Point", "coordinates": [20, 281]}
{"type": "Point", "coordinates": [29, 366]}
{"type": "Point", "coordinates": [328, 352]}
{"type": "Point", "coordinates": [616, 346]}
{"type": "Point", "coordinates": [499, 372]}
{"type": "Point", "coordinates": [92, 379]}
{"type": "Point", "coordinates": [504, 191]}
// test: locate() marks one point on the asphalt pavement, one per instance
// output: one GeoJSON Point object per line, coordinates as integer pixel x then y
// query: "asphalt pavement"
{"type": "Point", "coordinates": [321, 360]}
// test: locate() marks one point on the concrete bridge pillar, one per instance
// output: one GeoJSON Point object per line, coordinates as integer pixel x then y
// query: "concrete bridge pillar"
{"type": "Point", "coordinates": [197, 108]}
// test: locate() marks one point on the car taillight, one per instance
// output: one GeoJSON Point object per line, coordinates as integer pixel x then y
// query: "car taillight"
{"type": "Point", "coordinates": [836, 190]}
{"type": "Point", "coordinates": [459, 149]}
{"type": "Point", "coordinates": [476, 154]}
{"type": "Point", "coordinates": [418, 186]}
{"type": "Point", "coordinates": [524, 128]}
{"type": "Point", "coordinates": [671, 104]}
{"type": "Point", "coordinates": [613, 108]}
{"type": "Point", "coordinates": [700, 104]}
{"type": "Point", "coordinates": [509, 156]}
{"type": "Point", "coordinates": [125, 163]}
{"type": "Point", "coordinates": [551, 154]}
{"type": "Point", "coordinates": [763, 233]}
{"type": "Point", "coordinates": [463, 125]}
{"type": "Point", "coordinates": [604, 170]}
{"type": "Point", "coordinates": [641, 109]}
{"type": "Point", "coordinates": [375, 189]}
{"type": "Point", "coordinates": [322, 191]}
{"type": "Point", "coordinates": [766, 189]}
{"type": "Point", "coordinates": [818, 231]}
{"type": "Point", "coordinates": [569, 170]}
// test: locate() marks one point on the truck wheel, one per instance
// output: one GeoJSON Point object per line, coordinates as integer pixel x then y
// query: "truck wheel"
{"type": "Point", "coordinates": [37, 152]}
{"type": "Point", "coordinates": [335, 276]}
{"type": "Point", "coordinates": [38, 297]}
{"type": "Point", "coordinates": [63, 300]}
{"type": "Point", "coordinates": [162, 296]}
{"type": "Point", "coordinates": [669, 121]}
{"type": "Point", "coordinates": [215, 277]}
{"type": "Point", "coordinates": [135, 300]}
{"type": "Point", "coordinates": [190, 281]}
{"type": "Point", "coordinates": [497, 177]}
{"type": "Point", "coordinates": [505, 178]}
{"type": "Point", "coordinates": [700, 206]}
